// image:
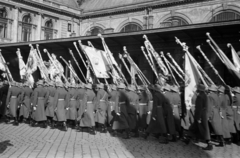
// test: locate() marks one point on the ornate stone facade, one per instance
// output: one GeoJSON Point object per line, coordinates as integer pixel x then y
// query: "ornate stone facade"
{"type": "Point", "coordinates": [50, 19]}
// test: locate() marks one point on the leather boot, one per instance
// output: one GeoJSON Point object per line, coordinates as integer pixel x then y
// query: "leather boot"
{"type": "Point", "coordinates": [65, 126]}
{"type": "Point", "coordinates": [209, 147]}
{"type": "Point", "coordinates": [93, 130]}
{"type": "Point", "coordinates": [15, 122]}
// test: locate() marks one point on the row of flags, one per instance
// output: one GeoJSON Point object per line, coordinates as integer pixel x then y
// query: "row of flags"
{"type": "Point", "coordinates": [100, 64]}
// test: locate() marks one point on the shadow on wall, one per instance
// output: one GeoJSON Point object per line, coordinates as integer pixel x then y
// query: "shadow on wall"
{"type": "Point", "coordinates": [4, 145]}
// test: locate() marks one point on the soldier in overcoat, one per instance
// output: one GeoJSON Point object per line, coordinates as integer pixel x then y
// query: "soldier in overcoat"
{"type": "Point", "coordinates": [39, 101]}
{"type": "Point", "coordinates": [80, 108]}
{"type": "Point", "coordinates": [223, 114]}
{"type": "Point", "coordinates": [26, 102]}
{"type": "Point", "coordinates": [101, 107]}
{"type": "Point", "coordinates": [73, 104]}
{"type": "Point", "coordinates": [112, 104]}
{"type": "Point", "coordinates": [236, 114]}
{"type": "Point", "coordinates": [50, 101]}
{"type": "Point", "coordinates": [12, 102]}
{"type": "Point", "coordinates": [120, 119]}
{"type": "Point", "coordinates": [61, 104]}
{"type": "Point", "coordinates": [157, 124]}
{"type": "Point", "coordinates": [88, 104]}
{"type": "Point", "coordinates": [214, 116]}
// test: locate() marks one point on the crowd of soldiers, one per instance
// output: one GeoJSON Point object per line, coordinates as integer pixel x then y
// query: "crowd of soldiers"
{"type": "Point", "coordinates": [214, 115]}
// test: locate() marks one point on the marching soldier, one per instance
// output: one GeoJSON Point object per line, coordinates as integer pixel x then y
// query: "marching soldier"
{"type": "Point", "coordinates": [143, 107]}
{"type": "Point", "coordinates": [61, 105]}
{"type": "Point", "coordinates": [26, 102]}
{"type": "Point", "coordinates": [201, 116]}
{"type": "Point", "coordinates": [3, 96]}
{"type": "Point", "coordinates": [101, 107]}
{"type": "Point", "coordinates": [236, 112]}
{"type": "Point", "coordinates": [157, 124]}
{"type": "Point", "coordinates": [81, 108]}
{"type": "Point", "coordinates": [177, 110]}
{"type": "Point", "coordinates": [39, 100]}
{"type": "Point", "coordinates": [120, 119]}
{"type": "Point", "coordinates": [112, 104]}
{"type": "Point", "coordinates": [223, 108]}
{"type": "Point", "coordinates": [73, 104]}
{"type": "Point", "coordinates": [50, 101]}
{"type": "Point", "coordinates": [12, 101]}
{"type": "Point", "coordinates": [214, 117]}
{"type": "Point", "coordinates": [88, 104]}
{"type": "Point", "coordinates": [168, 111]}
{"type": "Point", "coordinates": [229, 112]}
{"type": "Point", "coordinates": [133, 109]}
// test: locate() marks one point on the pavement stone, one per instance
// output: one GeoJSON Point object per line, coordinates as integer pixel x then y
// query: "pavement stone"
{"type": "Point", "coordinates": [24, 141]}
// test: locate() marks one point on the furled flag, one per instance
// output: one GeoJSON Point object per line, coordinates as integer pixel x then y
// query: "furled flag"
{"type": "Point", "coordinates": [192, 78]}
{"type": "Point", "coordinates": [32, 62]}
{"type": "Point", "coordinates": [98, 65]}
{"type": "Point", "coordinates": [236, 60]}
{"type": "Point", "coordinates": [2, 66]}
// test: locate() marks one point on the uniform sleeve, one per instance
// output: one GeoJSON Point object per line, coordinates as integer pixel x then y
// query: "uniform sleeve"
{"type": "Point", "coordinates": [137, 102]}
{"type": "Point", "coordinates": [46, 97]}
{"type": "Point", "coordinates": [9, 95]}
{"type": "Point", "coordinates": [154, 109]}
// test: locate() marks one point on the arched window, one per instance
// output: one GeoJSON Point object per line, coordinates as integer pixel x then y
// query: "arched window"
{"type": "Point", "coordinates": [3, 23]}
{"type": "Point", "coordinates": [173, 21]}
{"type": "Point", "coordinates": [225, 16]}
{"type": "Point", "coordinates": [130, 27]}
{"type": "Point", "coordinates": [48, 33]}
{"type": "Point", "coordinates": [26, 28]}
{"type": "Point", "coordinates": [96, 30]}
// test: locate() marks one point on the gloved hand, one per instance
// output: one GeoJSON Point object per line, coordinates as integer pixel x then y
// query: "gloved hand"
{"type": "Point", "coordinates": [34, 108]}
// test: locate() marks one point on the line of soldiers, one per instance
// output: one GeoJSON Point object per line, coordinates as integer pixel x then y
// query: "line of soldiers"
{"type": "Point", "coordinates": [154, 109]}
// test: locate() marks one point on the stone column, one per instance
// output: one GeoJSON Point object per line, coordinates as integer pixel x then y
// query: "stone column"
{"type": "Point", "coordinates": [14, 28]}
{"type": "Point", "coordinates": [39, 27]}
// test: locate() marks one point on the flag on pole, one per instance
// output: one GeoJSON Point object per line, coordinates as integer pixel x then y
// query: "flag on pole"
{"type": "Point", "coordinates": [2, 66]}
{"type": "Point", "coordinates": [22, 65]}
{"type": "Point", "coordinates": [32, 62]}
{"type": "Point", "coordinates": [192, 78]}
{"type": "Point", "coordinates": [236, 60]}
{"type": "Point", "coordinates": [97, 62]}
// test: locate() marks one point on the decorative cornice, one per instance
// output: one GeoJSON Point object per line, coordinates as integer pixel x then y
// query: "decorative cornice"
{"type": "Point", "coordinates": [136, 7]}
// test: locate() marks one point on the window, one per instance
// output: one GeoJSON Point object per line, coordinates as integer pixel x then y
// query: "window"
{"type": "Point", "coordinates": [26, 28]}
{"type": "Point", "coordinates": [131, 27]}
{"type": "Point", "coordinates": [225, 16]}
{"type": "Point", "coordinates": [69, 28]}
{"type": "Point", "coordinates": [96, 30]}
{"type": "Point", "coordinates": [3, 23]}
{"type": "Point", "coordinates": [48, 34]}
{"type": "Point", "coordinates": [173, 21]}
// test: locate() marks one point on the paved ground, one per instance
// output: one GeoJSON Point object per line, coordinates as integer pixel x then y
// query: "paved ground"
{"type": "Point", "coordinates": [34, 142]}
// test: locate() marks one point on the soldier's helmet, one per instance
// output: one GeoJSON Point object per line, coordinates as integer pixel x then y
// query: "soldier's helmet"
{"type": "Point", "coordinates": [236, 90]}
{"type": "Point", "coordinates": [100, 85]}
{"type": "Point", "coordinates": [40, 82]}
{"type": "Point", "coordinates": [121, 86]}
{"type": "Point", "coordinates": [213, 88]}
{"type": "Point", "coordinates": [221, 89]}
{"type": "Point", "coordinates": [113, 87]}
{"type": "Point", "coordinates": [175, 89]}
{"type": "Point", "coordinates": [59, 84]}
{"type": "Point", "coordinates": [202, 87]}
{"type": "Point", "coordinates": [88, 86]}
{"type": "Point", "coordinates": [131, 88]}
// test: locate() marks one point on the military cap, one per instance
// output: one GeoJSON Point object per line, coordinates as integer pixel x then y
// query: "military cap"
{"type": "Point", "coordinates": [175, 88]}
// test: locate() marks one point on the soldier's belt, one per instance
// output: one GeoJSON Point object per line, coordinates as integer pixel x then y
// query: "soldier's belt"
{"type": "Point", "coordinates": [235, 107]}
{"type": "Point", "coordinates": [121, 103]}
{"type": "Point", "coordinates": [159, 106]}
{"type": "Point", "coordinates": [13, 96]}
{"type": "Point", "coordinates": [175, 106]}
{"type": "Point", "coordinates": [60, 99]}
{"type": "Point", "coordinates": [40, 98]}
{"type": "Point", "coordinates": [72, 99]}
{"type": "Point", "coordinates": [151, 101]}
{"type": "Point", "coordinates": [142, 103]}
{"type": "Point", "coordinates": [102, 100]}
{"type": "Point", "coordinates": [89, 102]}
{"type": "Point", "coordinates": [132, 103]}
